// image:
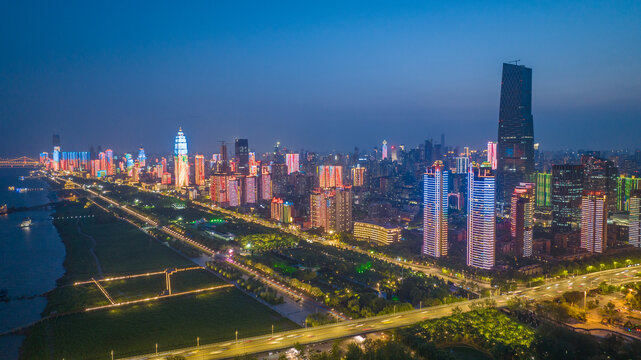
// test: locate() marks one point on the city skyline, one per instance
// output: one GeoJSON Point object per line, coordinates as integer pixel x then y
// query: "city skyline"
{"type": "Point", "coordinates": [141, 88]}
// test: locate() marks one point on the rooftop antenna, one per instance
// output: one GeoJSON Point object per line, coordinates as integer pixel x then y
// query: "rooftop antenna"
{"type": "Point", "coordinates": [516, 62]}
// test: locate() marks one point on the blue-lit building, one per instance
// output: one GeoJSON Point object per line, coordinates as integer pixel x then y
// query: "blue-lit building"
{"type": "Point", "coordinates": [435, 205]}
{"type": "Point", "coordinates": [481, 217]}
{"type": "Point", "coordinates": [181, 160]}
{"type": "Point", "coordinates": [142, 158]}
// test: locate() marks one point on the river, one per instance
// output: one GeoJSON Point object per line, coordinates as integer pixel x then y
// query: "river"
{"type": "Point", "coordinates": [30, 258]}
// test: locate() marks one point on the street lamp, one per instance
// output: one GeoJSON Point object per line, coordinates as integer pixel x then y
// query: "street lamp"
{"type": "Point", "coordinates": [112, 355]}
{"type": "Point", "coordinates": [236, 336]}
{"type": "Point", "coordinates": [156, 348]}
{"type": "Point", "coordinates": [197, 341]}
{"type": "Point", "coordinates": [272, 330]}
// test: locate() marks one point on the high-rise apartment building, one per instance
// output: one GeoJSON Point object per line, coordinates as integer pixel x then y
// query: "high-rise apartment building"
{"type": "Point", "coordinates": [435, 206]}
{"type": "Point", "coordinates": [481, 227]}
{"type": "Point", "coordinates": [567, 188]}
{"type": "Point", "coordinates": [522, 218]}
{"type": "Point", "coordinates": [358, 175]}
{"type": "Point", "coordinates": [331, 209]}
{"type": "Point", "coordinates": [330, 176]}
{"type": "Point", "coordinates": [462, 164]}
{"type": "Point", "coordinates": [515, 148]}
{"type": "Point", "coordinates": [625, 186]}
{"type": "Point", "coordinates": [594, 216]}
{"type": "Point", "coordinates": [281, 211]}
{"type": "Point", "coordinates": [199, 170]}
{"type": "Point", "coordinates": [218, 189]}
{"type": "Point", "coordinates": [634, 221]}
{"type": "Point", "coordinates": [293, 163]}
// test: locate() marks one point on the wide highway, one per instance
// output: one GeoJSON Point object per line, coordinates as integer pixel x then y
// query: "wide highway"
{"type": "Point", "coordinates": [349, 328]}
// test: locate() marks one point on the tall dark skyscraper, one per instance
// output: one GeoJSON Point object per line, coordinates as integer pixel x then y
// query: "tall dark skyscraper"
{"type": "Point", "coordinates": [56, 140]}
{"type": "Point", "coordinates": [516, 130]}
{"type": "Point", "coordinates": [242, 155]}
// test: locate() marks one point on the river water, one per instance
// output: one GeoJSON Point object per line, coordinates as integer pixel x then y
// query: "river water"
{"type": "Point", "coordinates": [30, 258]}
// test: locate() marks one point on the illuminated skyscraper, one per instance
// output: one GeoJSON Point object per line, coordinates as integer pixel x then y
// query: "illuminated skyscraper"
{"type": "Point", "coordinates": [234, 191]}
{"type": "Point", "coordinates": [102, 157]}
{"type": "Point", "coordinates": [543, 190]}
{"type": "Point", "coordinates": [522, 218]}
{"type": "Point", "coordinates": [435, 205]}
{"type": "Point", "coordinates": [384, 150]}
{"type": "Point", "coordinates": [515, 148]}
{"type": "Point", "coordinates": [142, 158]}
{"type": "Point", "coordinates": [330, 176]}
{"type": "Point", "coordinates": [265, 183]}
{"type": "Point", "coordinates": [481, 236]}
{"type": "Point", "coordinates": [250, 190]}
{"type": "Point", "coordinates": [109, 158]}
{"type": "Point", "coordinates": [181, 161]}
{"type": "Point", "coordinates": [634, 226]}
{"type": "Point", "coordinates": [218, 189]}
{"type": "Point", "coordinates": [293, 164]}
{"type": "Point", "coordinates": [56, 153]}
{"type": "Point", "coordinates": [331, 209]}
{"type": "Point", "coordinates": [594, 216]}
{"type": "Point", "coordinates": [358, 175]}
{"type": "Point", "coordinates": [567, 187]}
{"type": "Point", "coordinates": [625, 187]}
{"type": "Point", "coordinates": [491, 154]}
{"type": "Point", "coordinates": [462, 164]}
{"type": "Point", "coordinates": [199, 171]}
{"type": "Point", "coordinates": [242, 156]}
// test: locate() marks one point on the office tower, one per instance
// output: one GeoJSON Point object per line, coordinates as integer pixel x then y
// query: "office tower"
{"type": "Point", "coordinates": [625, 186]}
{"type": "Point", "coordinates": [102, 158]}
{"type": "Point", "coordinates": [234, 191]}
{"type": "Point", "coordinates": [265, 182]}
{"type": "Point", "coordinates": [44, 156]}
{"type": "Point", "coordinates": [56, 153]}
{"type": "Point", "coordinates": [142, 158]}
{"type": "Point", "coordinates": [543, 190]}
{"type": "Point", "coordinates": [384, 150]}
{"type": "Point", "coordinates": [242, 156]}
{"type": "Point", "coordinates": [567, 188]}
{"type": "Point", "coordinates": [331, 209]}
{"type": "Point", "coordinates": [166, 179]}
{"type": "Point", "coordinates": [594, 216]}
{"type": "Point", "coordinates": [250, 190]}
{"type": "Point", "coordinates": [466, 152]}
{"type": "Point", "coordinates": [199, 171]}
{"type": "Point", "coordinates": [435, 206]}
{"type": "Point", "coordinates": [491, 154]}
{"type": "Point", "coordinates": [358, 175]}
{"type": "Point", "coordinates": [462, 164]}
{"type": "Point", "coordinates": [601, 175]}
{"type": "Point", "coordinates": [429, 150]}
{"type": "Point", "coordinates": [181, 161]}
{"type": "Point", "coordinates": [634, 227]}
{"type": "Point", "coordinates": [522, 218]}
{"type": "Point", "coordinates": [515, 148]}
{"type": "Point", "coordinates": [218, 189]}
{"type": "Point", "coordinates": [330, 176]}
{"type": "Point", "coordinates": [109, 162]}
{"type": "Point", "coordinates": [481, 236]}
{"type": "Point", "coordinates": [292, 163]}
{"type": "Point", "coordinates": [281, 211]}
{"type": "Point", "coordinates": [443, 141]}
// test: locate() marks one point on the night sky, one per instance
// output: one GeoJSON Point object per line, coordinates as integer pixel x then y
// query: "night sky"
{"type": "Point", "coordinates": [333, 75]}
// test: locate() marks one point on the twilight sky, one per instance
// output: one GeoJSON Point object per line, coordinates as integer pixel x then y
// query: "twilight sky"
{"type": "Point", "coordinates": [319, 76]}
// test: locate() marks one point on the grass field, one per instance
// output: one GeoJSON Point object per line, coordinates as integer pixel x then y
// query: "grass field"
{"type": "Point", "coordinates": [122, 249]}
{"type": "Point", "coordinates": [135, 329]}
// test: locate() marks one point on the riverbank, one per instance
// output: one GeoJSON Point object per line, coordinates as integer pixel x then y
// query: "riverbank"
{"type": "Point", "coordinates": [31, 258]}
